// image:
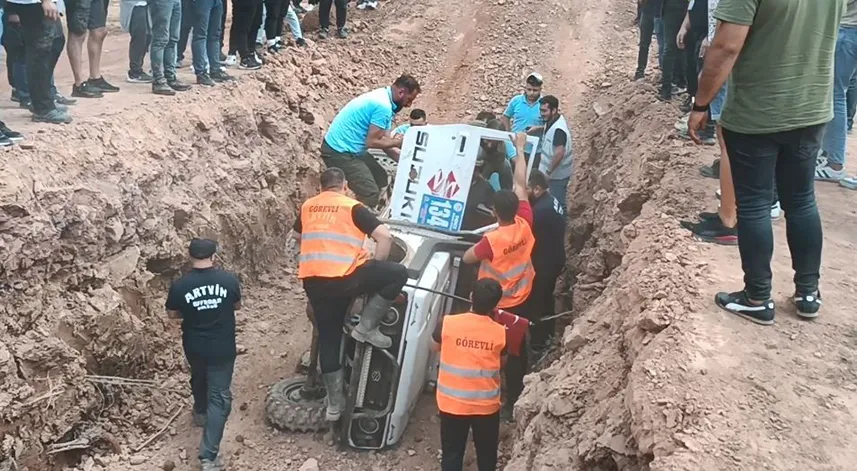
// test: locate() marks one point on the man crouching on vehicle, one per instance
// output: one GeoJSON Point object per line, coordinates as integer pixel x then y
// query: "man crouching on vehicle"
{"type": "Point", "coordinates": [335, 268]}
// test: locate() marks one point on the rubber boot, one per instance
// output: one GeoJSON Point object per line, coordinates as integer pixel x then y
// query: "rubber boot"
{"type": "Point", "coordinates": [334, 384]}
{"type": "Point", "coordinates": [367, 330]}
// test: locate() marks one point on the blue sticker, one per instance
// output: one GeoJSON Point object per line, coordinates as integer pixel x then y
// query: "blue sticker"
{"type": "Point", "coordinates": [441, 213]}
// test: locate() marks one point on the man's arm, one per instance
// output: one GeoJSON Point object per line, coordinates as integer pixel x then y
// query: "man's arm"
{"type": "Point", "coordinates": [383, 242]}
{"type": "Point", "coordinates": [393, 153]}
{"type": "Point", "coordinates": [173, 304]}
{"type": "Point", "coordinates": [682, 32]}
{"type": "Point", "coordinates": [379, 138]}
{"type": "Point", "coordinates": [719, 60]}
{"type": "Point", "coordinates": [520, 176]}
{"type": "Point", "coordinates": [367, 222]}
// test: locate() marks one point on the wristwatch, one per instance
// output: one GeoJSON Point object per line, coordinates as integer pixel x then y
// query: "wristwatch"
{"type": "Point", "coordinates": [702, 108]}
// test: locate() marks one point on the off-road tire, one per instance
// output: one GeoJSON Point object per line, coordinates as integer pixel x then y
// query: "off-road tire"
{"type": "Point", "coordinates": [285, 410]}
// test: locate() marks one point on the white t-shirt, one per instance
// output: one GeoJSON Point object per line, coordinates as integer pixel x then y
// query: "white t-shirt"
{"type": "Point", "coordinates": [712, 22]}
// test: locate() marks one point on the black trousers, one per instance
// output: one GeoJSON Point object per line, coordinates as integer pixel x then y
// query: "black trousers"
{"type": "Point", "coordinates": [647, 30]}
{"type": "Point", "coordinates": [141, 39]}
{"type": "Point", "coordinates": [276, 11]}
{"type": "Point", "coordinates": [324, 13]}
{"type": "Point", "coordinates": [242, 35]}
{"type": "Point", "coordinates": [673, 67]}
{"type": "Point", "coordinates": [330, 298]}
{"type": "Point", "coordinates": [453, 440]}
{"type": "Point", "coordinates": [692, 61]}
{"type": "Point", "coordinates": [41, 36]}
{"type": "Point", "coordinates": [187, 25]}
{"type": "Point", "coordinates": [543, 304]}
{"type": "Point", "coordinates": [759, 162]}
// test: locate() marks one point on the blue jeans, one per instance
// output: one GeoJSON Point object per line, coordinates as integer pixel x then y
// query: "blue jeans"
{"type": "Point", "coordinates": [851, 100]}
{"type": "Point", "coordinates": [206, 36]}
{"type": "Point", "coordinates": [166, 18]}
{"type": "Point", "coordinates": [559, 190]}
{"type": "Point", "coordinates": [210, 384]}
{"type": "Point", "coordinates": [845, 64]}
{"type": "Point", "coordinates": [755, 161]}
{"type": "Point", "coordinates": [718, 102]}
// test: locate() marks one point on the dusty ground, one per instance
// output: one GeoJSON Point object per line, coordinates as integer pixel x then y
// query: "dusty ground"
{"type": "Point", "coordinates": [94, 219]}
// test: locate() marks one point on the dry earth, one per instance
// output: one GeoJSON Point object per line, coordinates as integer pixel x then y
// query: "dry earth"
{"type": "Point", "coordinates": [94, 218]}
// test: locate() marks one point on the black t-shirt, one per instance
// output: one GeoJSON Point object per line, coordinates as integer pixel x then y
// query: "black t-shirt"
{"type": "Point", "coordinates": [481, 192]}
{"type": "Point", "coordinates": [549, 232]}
{"type": "Point", "coordinates": [206, 300]}
{"type": "Point", "coordinates": [560, 138]}
{"type": "Point", "coordinates": [360, 215]}
{"type": "Point", "coordinates": [699, 19]}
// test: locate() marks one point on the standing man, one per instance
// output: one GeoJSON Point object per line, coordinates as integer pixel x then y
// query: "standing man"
{"type": "Point", "coordinates": [555, 148]}
{"type": "Point", "coordinates": [522, 112]}
{"type": "Point", "coordinates": [87, 16]}
{"type": "Point", "coordinates": [844, 68]}
{"type": "Point", "coordinates": [648, 11]}
{"type": "Point", "coordinates": [335, 268]}
{"type": "Point", "coordinates": [206, 42]}
{"type": "Point", "coordinates": [468, 382]}
{"type": "Point", "coordinates": [134, 17]}
{"type": "Point", "coordinates": [780, 57]}
{"type": "Point", "coordinates": [548, 256]}
{"type": "Point", "coordinates": [166, 18]}
{"type": "Point", "coordinates": [673, 13]}
{"type": "Point", "coordinates": [365, 123]}
{"type": "Point", "coordinates": [205, 301]}
{"type": "Point", "coordinates": [324, 18]}
{"type": "Point", "coordinates": [505, 255]}
{"type": "Point", "coordinates": [42, 32]}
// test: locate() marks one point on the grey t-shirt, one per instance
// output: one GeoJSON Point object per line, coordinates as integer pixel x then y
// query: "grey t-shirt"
{"type": "Point", "coordinates": [850, 17]}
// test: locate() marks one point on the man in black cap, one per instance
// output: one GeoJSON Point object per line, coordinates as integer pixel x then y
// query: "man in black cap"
{"type": "Point", "coordinates": [205, 300]}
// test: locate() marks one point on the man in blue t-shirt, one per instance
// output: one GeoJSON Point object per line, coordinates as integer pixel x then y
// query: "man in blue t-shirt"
{"type": "Point", "coordinates": [365, 123]}
{"type": "Point", "coordinates": [522, 112]}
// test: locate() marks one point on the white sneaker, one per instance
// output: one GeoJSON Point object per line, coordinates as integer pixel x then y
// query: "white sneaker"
{"type": "Point", "coordinates": [681, 124]}
{"type": "Point", "coordinates": [824, 173]}
{"type": "Point", "coordinates": [849, 182]}
{"type": "Point", "coordinates": [776, 211]}
{"type": "Point", "coordinates": [231, 60]}
{"type": "Point", "coordinates": [309, 8]}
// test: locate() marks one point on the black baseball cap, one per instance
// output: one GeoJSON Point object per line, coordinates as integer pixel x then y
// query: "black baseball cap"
{"type": "Point", "coordinates": [202, 249]}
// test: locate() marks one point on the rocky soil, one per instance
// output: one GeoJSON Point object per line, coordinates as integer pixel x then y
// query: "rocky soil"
{"type": "Point", "coordinates": [94, 222]}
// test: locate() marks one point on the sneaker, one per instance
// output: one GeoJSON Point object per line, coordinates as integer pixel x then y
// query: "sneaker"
{"type": "Point", "coordinates": [258, 59]}
{"type": "Point", "coordinates": [639, 75]}
{"type": "Point", "coordinates": [681, 124]}
{"type": "Point", "coordinates": [342, 33]}
{"type": "Point", "coordinates": [58, 106]}
{"type": "Point", "coordinates": [250, 63]}
{"type": "Point", "coordinates": [679, 89]}
{"type": "Point", "coordinates": [139, 77]}
{"type": "Point", "coordinates": [711, 229]}
{"type": "Point", "coordinates": [180, 63]}
{"type": "Point", "coordinates": [101, 84]}
{"type": "Point", "coordinates": [309, 8]}
{"type": "Point", "coordinates": [301, 42]}
{"type": "Point", "coordinates": [274, 49]}
{"type": "Point", "coordinates": [711, 171]}
{"type": "Point", "coordinates": [849, 182]}
{"type": "Point", "coordinates": [300, 10]}
{"type": "Point", "coordinates": [686, 105]}
{"type": "Point", "coordinates": [162, 88]}
{"type": "Point", "coordinates": [5, 141]}
{"type": "Point", "coordinates": [178, 85]}
{"type": "Point", "coordinates": [212, 465]}
{"type": "Point", "coordinates": [738, 304]}
{"type": "Point", "coordinates": [231, 60]}
{"type": "Point", "coordinates": [220, 76]}
{"type": "Point", "coordinates": [15, 97]}
{"type": "Point", "coordinates": [776, 211]}
{"type": "Point", "coordinates": [665, 96]}
{"type": "Point", "coordinates": [63, 100]}
{"type": "Point", "coordinates": [54, 116]}
{"type": "Point", "coordinates": [807, 305]}
{"type": "Point", "coordinates": [205, 80]}
{"type": "Point", "coordinates": [86, 90]}
{"type": "Point", "coordinates": [824, 173]}
{"type": "Point", "coordinates": [10, 134]}
{"type": "Point", "coordinates": [323, 33]}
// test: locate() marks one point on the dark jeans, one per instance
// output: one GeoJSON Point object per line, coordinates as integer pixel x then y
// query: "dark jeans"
{"type": "Point", "coordinates": [166, 26]}
{"type": "Point", "coordinates": [330, 298]}
{"type": "Point", "coordinates": [851, 101]}
{"type": "Point", "coordinates": [206, 36]}
{"type": "Point", "coordinates": [365, 175]}
{"type": "Point", "coordinates": [692, 62]}
{"type": "Point", "coordinates": [647, 29]}
{"type": "Point", "coordinates": [210, 383]}
{"type": "Point", "coordinates": [453, 440]}
{"type": "Point", "coordinates": [324, 13]}
{"type": "Point", "coordinates": [673, 69]}
{"type": "Point", "coordinates": [223, 25]}
{"type": "Point", "coordinates": [141, 39]}
{"type": "Point", "coordinates": [41, 38]}
{"type": "Point", "coordinates": [543, 303]}
{"type": "Point", "coordinates": [242, 36]}
{"type": "Point", "coordinates": [187, 25]}
{"type": "Point", "coordinates": [276, 11]}
{"type": "Point", "coordinates": [755, 161]}
{"type": "Point", "coordinates": [518, 366]}
{"type": "Point", "coordinates": [16, 60]}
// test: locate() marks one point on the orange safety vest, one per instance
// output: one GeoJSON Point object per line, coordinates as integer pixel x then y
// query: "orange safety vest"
{"type": "Point", "coordinates": [468, 381]}
{"type": "Point", "coordinates": [511, 266]}
{"type": "Point", "coordinates": [331, 245]}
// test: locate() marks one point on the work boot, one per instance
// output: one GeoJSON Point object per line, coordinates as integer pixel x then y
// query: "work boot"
{"type": "Point", "coordinates": [370, 318]}
{"type": "Point", "coordinates": [334, 383]}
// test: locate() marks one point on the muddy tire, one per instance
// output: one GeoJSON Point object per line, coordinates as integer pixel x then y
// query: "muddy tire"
{"type": "Point", "coordinates": [285, 409]}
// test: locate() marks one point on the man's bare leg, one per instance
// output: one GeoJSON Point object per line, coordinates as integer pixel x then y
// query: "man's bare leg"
{"type": "Point", "coordinates": [94, 46]}
{"type": "Point", "coordinates": [728, 210]}
{"type": "Point", "coordinates": [74, 49]}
